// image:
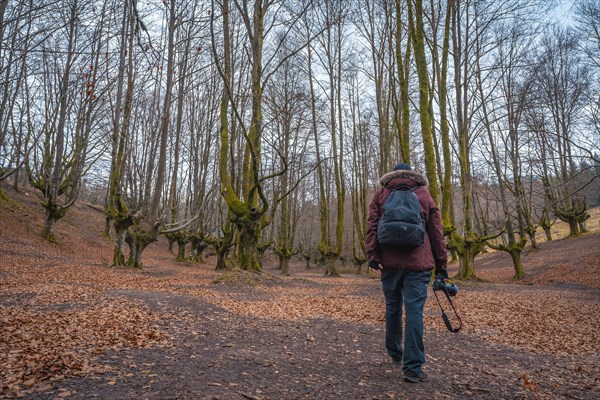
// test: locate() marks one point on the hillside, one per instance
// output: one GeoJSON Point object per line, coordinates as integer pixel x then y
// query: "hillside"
{"type": "Point", "coordinates": [73, 327]}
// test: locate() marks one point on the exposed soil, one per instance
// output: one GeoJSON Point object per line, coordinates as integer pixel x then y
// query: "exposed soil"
{"type": "Point", "coordinates": [73, 327]}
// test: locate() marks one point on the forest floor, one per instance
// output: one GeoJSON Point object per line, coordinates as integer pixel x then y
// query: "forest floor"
{"type": "Point", "coordinates": [73, 327]}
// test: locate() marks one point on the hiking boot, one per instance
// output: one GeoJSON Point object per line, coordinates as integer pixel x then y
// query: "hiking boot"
{"type": "Point", "coordinates": [396, 360]}
{"type": "Point", "coordinates": [415, 378]}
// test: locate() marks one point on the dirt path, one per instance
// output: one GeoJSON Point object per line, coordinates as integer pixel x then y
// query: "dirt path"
{"type": "Point", "coordinates": [72, 327]}
{"type": "Point", "coordinates": [221, 355]}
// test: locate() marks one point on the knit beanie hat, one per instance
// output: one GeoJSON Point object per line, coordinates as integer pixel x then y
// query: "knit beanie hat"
{"type": "Point", "coordinates": [402, 166]}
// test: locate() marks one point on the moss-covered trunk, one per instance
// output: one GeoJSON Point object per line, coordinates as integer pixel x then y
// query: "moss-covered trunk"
{"type": "Point", "coordinates": [181, 243]}
{"type": "Point", "coordinates": [171, 241]}
{"type": "Point", "coordinates": [221, 265]}
{"type": "Point", "coordinates": [221, 244]}
{"type": "Point", "coordinates": [53, 214]}
{"type": "Point", "coordinates": [582, 226]}
{"type": "Point", "coordinates": [245, 207]}
{"type": "Point", "coordinates": [117, 211]}
{"type": "Point", "coordinates": [285, 265]}
{"type": "Point", "coordinates": [359, 262]}
{"type": "Point", "coordinates": [197, 250]}
{"type": "Point", "coordinates": [121, 226]}
{"type": "Point", "coordinates": [247, 248]}
{"type": "Point", "coordinates": [466, 259]}
{"type": "Point", "coordinates": [284, 254]}
{"type": "Point", "coordinates": [418, 40]}
{"type": "Point", "coordinates": [138, 239]}
{"type": "Point", "coordinates": [118, 254]}
{"type": "Point", "coordinates": [48, 231]}
{"type": "Point", "coordinates": [515, 255]}
{"type": "Point", "coordinates": [402, 65]}
{"type": "Point", "coordinates": [135, 254]}
{"type": "Point", "coordinates": [330, 260]}
{"type": "Point", "coordinates": [306, 260]}
{"type": "Point", "coordinates": [467, 248]}
{"type": "Point", "coordinates": [446, 206]}
{"type": "Point", "coordinates": [548, 233]}
{"type": "Point", "coordinates": [573, 226]}
{"type": "Point", "coordinates": [531, 230]}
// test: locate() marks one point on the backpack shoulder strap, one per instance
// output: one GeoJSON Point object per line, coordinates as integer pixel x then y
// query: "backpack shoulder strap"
{"type": "Point", "coordinates": [405, 188]}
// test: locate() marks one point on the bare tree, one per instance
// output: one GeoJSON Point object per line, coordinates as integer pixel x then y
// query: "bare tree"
{"type": "Point", "coordinates": [361, 152]}
{"type": "Point", "coordinates": [562, 84]}
{"type": "Point", "coordinates": [56, 167]}
{"type": "Point", "coordinates": [17, 34]}
{"type": "Point", "coordinates": [249, 206]}
{"type": "Point", "coordinates": [117, 210]}
{"type": "Point", "coordinates": [471, 23]}
{"type": "Point", "coordinates": [514, 86]}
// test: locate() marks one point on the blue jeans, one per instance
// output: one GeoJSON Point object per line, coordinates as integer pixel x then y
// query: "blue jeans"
{"type": "Point", "coordinates": [408, 287]}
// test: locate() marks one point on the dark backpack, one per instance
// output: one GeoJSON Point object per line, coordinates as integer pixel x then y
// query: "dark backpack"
{"type": "Point", "coordinates": [401, 223]}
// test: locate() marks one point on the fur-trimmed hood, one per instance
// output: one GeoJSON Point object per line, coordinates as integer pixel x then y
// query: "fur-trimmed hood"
{"type": "Point", "coordinates": [415, 176]}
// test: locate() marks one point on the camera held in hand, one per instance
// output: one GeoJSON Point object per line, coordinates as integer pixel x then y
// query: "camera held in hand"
{"type": "Point", "coordinates": [440, 284]}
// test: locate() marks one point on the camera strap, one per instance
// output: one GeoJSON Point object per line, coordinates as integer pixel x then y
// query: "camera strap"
{"type": "Point", "coordinates": [445, 316]}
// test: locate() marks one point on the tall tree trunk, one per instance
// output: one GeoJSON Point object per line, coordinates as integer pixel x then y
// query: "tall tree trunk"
{"type": "Point", "coordinates": [146, 232]}
{"type": "Point", "coordinates": [403, 64]}
{"type": "Point", "coordinates": [467, 246]}
{"type": "Point", "coordinates": [513, 247]}
{"type": "Point", "coordinates": [117, 211]}
{"type": "Point", "coordinates": [324, 211]}
{"type": "Point", "coordinates": [153, 214]}
{"type": "Point", "coordinates": [338, 158]}
{"type": "Point", "coordinates": [418, 39]}
{"type": "Point", "coordinates": [53, 191]}
{"type": "Point", "coordinates": [445, 130]}
{"type": "Point", "coordinates": [359, 178]}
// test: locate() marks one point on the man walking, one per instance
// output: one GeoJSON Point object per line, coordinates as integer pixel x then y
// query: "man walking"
{"type": "Point", "coordinates": [405, 263]}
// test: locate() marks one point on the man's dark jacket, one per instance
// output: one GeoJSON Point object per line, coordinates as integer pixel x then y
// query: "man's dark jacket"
{"type": "Point", "coordinates": [432, 254]}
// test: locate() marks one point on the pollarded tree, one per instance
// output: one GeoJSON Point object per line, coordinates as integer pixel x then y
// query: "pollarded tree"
{"type": "Point", "coordinates": [150, 138]}
{"type": "Point", "coordinates": [56, 167]}
{"type": "Point", "coordinates": [471, 21]}
{"type": "Point", "coordinates": [562, 82]}
{"type": "Point", "coordinates": [248, 208]}
{"type": "Point", "coordinates": [331, 17]}
{"type": "Point", "coordinates": [117, 211]}
{"type": "Point", "coordinates": [203, 175]}
{"type": "Point", "coordinates": [512, 85]}
{"type": "Point", "coordinates": [186, 59]}
{"type": "Point", "coordinates": [477, 85]}
{"type": "Point", "coordinates": [287, 102]}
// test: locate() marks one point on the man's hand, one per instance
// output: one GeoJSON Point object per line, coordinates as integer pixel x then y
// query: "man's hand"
{"type": "Point", "coordinates": [441, 274]}
{"type": "Point", "coordinates": [375, 267]}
